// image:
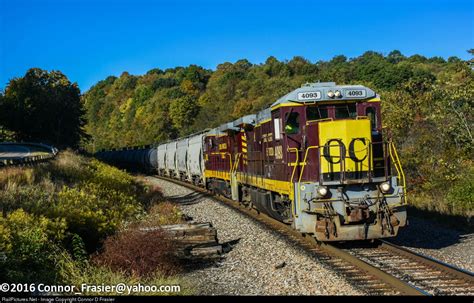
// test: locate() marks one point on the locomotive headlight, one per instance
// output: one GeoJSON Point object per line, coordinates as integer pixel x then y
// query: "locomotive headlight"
{"type": "Point", "coordinates": [322, 191]}
{"type": "Point", "coordinates": [330, 94]}
{"type": "Point", "coordinates": [385, 187]}
{"type": "Point", "coordinates": [338, 94]}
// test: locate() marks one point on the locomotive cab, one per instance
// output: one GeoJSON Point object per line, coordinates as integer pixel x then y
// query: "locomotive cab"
{"type": "Point", "coordinates": [339, 164]}
{"type": "Point", "coordinates": [316, 159]}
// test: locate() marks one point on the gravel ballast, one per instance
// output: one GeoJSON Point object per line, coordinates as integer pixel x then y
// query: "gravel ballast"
{"type": "Point", "coordinates": [261, 261]}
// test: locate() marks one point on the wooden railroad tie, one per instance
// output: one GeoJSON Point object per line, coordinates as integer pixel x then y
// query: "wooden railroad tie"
{"type": "Point", "coordinates": [192, 240]}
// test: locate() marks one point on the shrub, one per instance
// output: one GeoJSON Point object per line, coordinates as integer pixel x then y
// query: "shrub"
{"type": "Point", "coordinates": [5, 238]}
{"type": "Point", "coordinates": [71, 272]}
{"type": "Point", "coordinates": [94, 199]}
{"type": "Point", "coordinates": [66, 168]}
{"type": "Point", "coordinates": [56, 212]}
{"type": "Point", "coordinates": [112, 178]}
{"type": "Point", "coordinates": [139, 253]}
{"type": "Point", "coordinates": [78, 249]}
{"type": "Point", "coordinates": [93, 211]}
{"type": "Point", "coordinates": [461, 195]}
{"type": "Point", "coordinates": [151, 196]}
{"type": "Point", "coordinates": [30, 198]}
{"type": "Point", "coordinates": [163, 213]}
{"type": "Point", "coordinates": [29, 247]}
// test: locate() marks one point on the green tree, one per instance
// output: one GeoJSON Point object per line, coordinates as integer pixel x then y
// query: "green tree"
{"type": "Point", "coordinates": [395, 56]}
{"type": "Point", "coordinates": [183, 112]}
{"type": "Point", "coordinates": [43, 106]}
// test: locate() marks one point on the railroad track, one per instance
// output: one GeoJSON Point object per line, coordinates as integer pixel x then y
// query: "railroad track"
{"type": "Point", "coordinates": [432, 276]}
{"type": "Point", "coordinates": [385, 269]}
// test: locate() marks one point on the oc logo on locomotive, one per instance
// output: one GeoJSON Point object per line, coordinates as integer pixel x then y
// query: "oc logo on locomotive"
{"type": "Point", "coordinates": [343, 149]}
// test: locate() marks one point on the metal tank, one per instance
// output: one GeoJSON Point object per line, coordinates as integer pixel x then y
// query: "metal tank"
{"type": "Point", "coordinates": [161, 154]}
{"type": "Point", "coordinates": [135, 159]}
{"type": "Point", "coordinates": [195, 160]}
{"type": "Point", "coordinates": [171, 169]}
{"type": "Point", "coordinates": [181, 155]}
{"type": "Point", "coordinates": [153, 159]}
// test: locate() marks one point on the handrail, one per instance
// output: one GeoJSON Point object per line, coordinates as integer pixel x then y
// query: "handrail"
{"type": "Point", "coordinates": [319, 120]}
{"type": "Point", "coordinates": [294, 149]}
{"type": "Point", "coordinates": [236, 163]}
{"type": "Point", "coordinates": [230, 161]}
{"type": "Point", "coordinates": [370, 169]}
{"type": "Point", "coordinates": [398, 166]}
{"type": "Point", "coordinates": [302, 170]}
{"type": "Point", "coordinates": [304, 161]}
{"type": "Point", "coordinates": [397, 163]}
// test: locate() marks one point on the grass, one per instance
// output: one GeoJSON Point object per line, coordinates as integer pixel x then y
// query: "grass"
{"type": "Point", "coordinates": [72, 273]}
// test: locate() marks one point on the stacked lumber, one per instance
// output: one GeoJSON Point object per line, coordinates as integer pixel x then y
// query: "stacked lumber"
{"type": "Point", "coordinates": [192, 240]}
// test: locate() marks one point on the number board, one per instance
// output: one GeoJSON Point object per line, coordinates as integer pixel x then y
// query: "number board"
{"type": "Point", "coordinates": [309, 95]}
{"type": "Point", "coordinates": [355, 93]}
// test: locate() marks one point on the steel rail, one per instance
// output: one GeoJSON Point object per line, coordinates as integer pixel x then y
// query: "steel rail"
{"type": "Point", "coordinates": [400, 285]}
{"type": "Point", "coordinates": [309, 243]}
{"type": "Point", "coordinates": [428, 261]}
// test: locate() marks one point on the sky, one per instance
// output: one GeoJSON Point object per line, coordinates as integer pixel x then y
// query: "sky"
{"type": "Point", "coordinates": [90, 40]}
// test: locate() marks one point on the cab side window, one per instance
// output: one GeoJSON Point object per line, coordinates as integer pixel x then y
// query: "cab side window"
{"type": "Point", "coordinates": [292, 125]}
{"type": "Point", "coordinates": [370, 112]}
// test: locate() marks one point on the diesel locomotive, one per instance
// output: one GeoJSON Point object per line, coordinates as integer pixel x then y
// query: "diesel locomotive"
{"type": "Point", "coordinates": [315, 159]}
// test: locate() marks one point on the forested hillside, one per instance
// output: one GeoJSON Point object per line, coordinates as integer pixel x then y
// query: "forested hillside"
{"type": "Point", "coordinates": [134, 110]}
{"type": "Point", "coordinates": [427, 106]}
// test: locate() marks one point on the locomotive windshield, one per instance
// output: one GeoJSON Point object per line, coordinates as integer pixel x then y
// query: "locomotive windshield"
{"type": "Point", "coordinates": [345, 111]}
{"type": "Point", "coordinates": [316, 113]}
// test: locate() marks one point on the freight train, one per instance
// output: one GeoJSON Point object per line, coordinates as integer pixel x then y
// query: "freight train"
{"type": "Point", "coordinates": [315, 159]}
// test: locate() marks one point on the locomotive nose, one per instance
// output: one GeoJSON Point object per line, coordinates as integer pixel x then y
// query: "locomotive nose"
{"type": "Point", "coordinates": [346, 151]}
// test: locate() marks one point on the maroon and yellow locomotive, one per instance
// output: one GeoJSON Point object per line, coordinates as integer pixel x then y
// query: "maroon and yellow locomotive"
{"type": "Point", "coordinates": [315, 159]}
